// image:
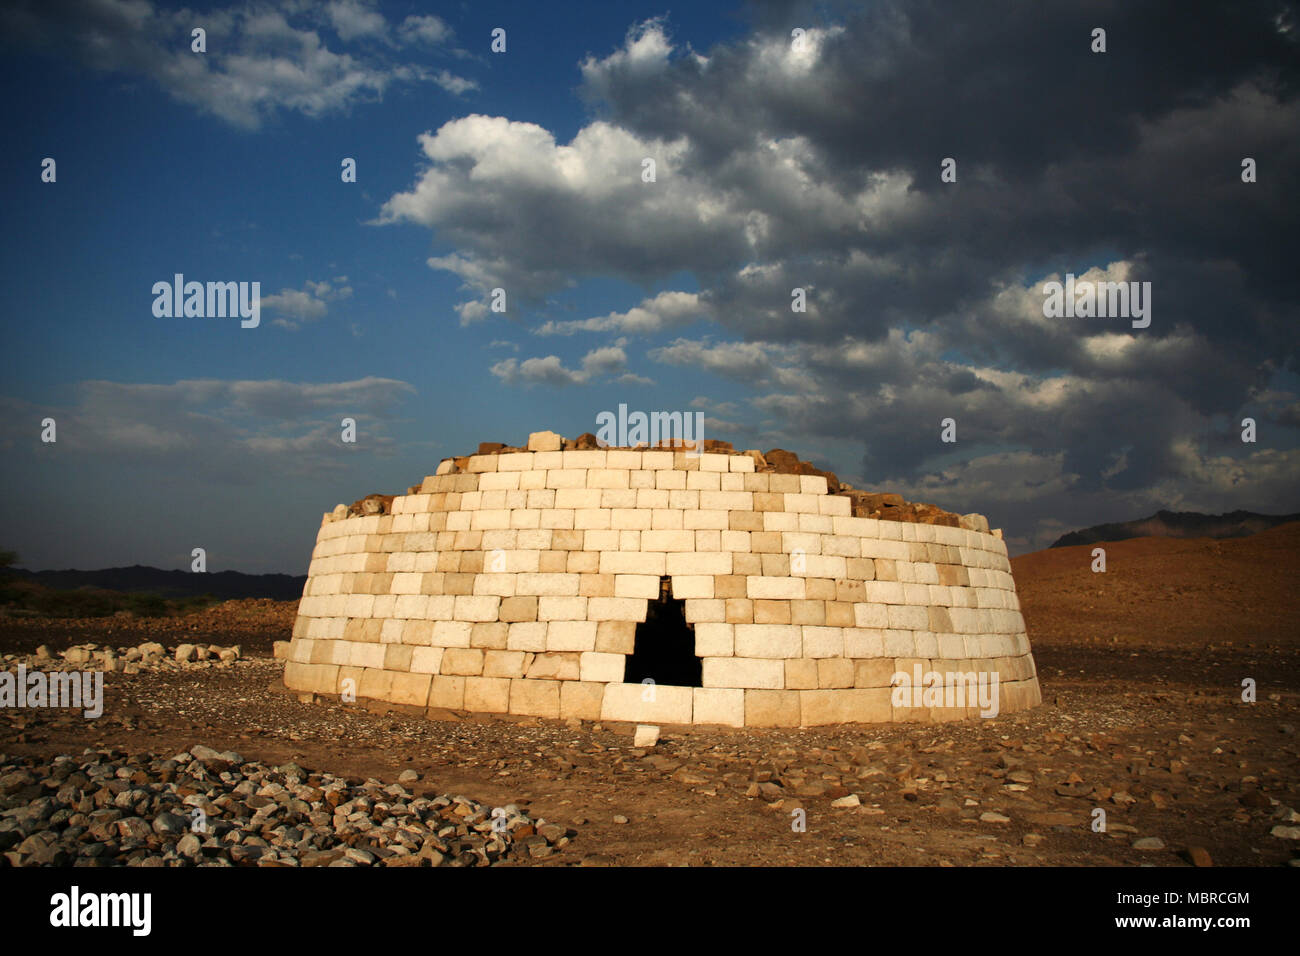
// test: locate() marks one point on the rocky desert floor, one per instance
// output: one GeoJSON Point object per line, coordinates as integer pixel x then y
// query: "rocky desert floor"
{"type": "Point", "coordinates": [1141, 671]}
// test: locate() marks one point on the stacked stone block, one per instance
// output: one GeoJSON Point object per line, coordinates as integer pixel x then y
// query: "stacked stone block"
{"type": "Point", "coordinates": [515, 586]}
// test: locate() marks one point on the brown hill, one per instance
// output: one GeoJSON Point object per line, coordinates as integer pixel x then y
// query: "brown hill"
{"type": "Point", "coordinates": [1193, 591]}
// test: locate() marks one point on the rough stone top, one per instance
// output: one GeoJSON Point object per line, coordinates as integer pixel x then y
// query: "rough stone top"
{"type": "Point", "coordinates": [866, 504]}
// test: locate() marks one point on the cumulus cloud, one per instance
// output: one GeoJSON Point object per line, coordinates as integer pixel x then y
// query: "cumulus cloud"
{"type": "Point", "coordinates": [425, 29]}
{"type": "Point", "coordinates": [550, 370]}
{"type": "Point", "coordinates": [816, 168]}
{"type": "Point", "coordinates": [261, 59]}
{"type": "Point", "coordinates": [456, 85]}
{"type": "Point", "coordinates": [352, 19]}
{"type": "Point", "coordinates": [666, 310]}
{"type": "Point", "coordinates": [298, 306]}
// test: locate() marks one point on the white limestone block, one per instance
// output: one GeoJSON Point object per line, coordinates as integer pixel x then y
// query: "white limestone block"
{"type": "Point", "coordinates": [548, 584]}
{"type": "Point", "coordinates": [692, 586]}
{"type": "Point", "coordinates": [632, 562]}
{"type": "Point", "coordinates": [884, 592]}
{"type": "Point", "coordinates": [563, 609]}
{"type": "Point", "coordinates": [591, 518]}
{"type": "Point", "coordinates": [704, 481]}
{"type": "Point", "coordinates": [775, 588]}
{"type": "Point", "coordinates": [516, 461]}
{"type": "Point", "coordinates": [819, 641]}
{"type": "Point", "coordinates": [578, 498]}
{"type": "Point", "coordinates": [705, 610]}
{"type": "Point", "coordinates": [778, 641]}
{"type": "Point", "coordinates": [545, 441]}
{"type": "Point", "coordinates": [698, 563]}
{"type": "Point", "coordinates": [719, 705]}
{"type": "Point", "coordinates": [526, 636]}
{"type": "Point", "coordinates": [710, 520]}
{"type": "Point", "coordinates": [570, 636]}
{"type": "Point", "coordinates": [590, 458]}
{"type": "Point", "coordinates": [863, 642]}
{"type": "Point", "coordinates": [471, 607]}
{"type": "Point", "coordinates": [666, 705]}
{"type": "Point", "coordinates": [742, 672]}
{"type": "Point", "coordinates": [603, 668]}
{"type": "Point", "coordinates": [451, 634]}
{"type": "Point", "coordinates": [636, 586]}
{"type": "Point", "coordinates": [670, 479]}
{"type": "Point", "coordinates": [616, 609]}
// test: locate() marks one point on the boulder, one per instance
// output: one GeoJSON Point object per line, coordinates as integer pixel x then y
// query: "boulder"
{"type": "Point", "coordinates": [545, 441]}
{"type": "Point", "coordinates": [783, 462]}
{"type": "Point", "coordinates": [373, 504]}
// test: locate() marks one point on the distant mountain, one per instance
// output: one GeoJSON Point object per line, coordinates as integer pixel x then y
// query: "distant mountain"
{"type": "Point", "coordinates": [138, 578]}
{"type": "Point", "coordinates": [1178, 524]}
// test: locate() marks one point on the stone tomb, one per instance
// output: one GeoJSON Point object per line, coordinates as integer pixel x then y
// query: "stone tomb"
{"type": "Point", "coordinates": [654, 586]}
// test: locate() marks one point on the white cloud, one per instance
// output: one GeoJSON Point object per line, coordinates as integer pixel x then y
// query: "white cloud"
{"type": "Point", "coordinates": [425, 29]}
{"type": "Point", "coordinates": [304, 305]}
{"type": "Point", "coordinates": [666, 310]}
{"type": "Point", "coordinates": [261, 59]}
{"type": "Point", "coordinates": [456, 85]}
{"type": "Point", "coordinates": [352, 19]}
{"type": "Point", "coordinates": [550, 370]}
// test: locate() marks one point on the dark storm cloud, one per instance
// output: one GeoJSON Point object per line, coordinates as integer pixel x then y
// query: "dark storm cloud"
{"type": "Point", "coordinates": [818, 167]}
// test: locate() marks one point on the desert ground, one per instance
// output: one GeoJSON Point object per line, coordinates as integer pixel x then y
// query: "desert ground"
{"type": "Point", "coordinates": [1141, 671]}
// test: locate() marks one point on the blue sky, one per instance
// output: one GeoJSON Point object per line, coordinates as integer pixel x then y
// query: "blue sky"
{"type": "Point", "coordinates": [776, 168]}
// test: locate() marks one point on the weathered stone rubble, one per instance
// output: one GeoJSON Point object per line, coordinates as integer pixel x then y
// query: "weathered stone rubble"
{"type": "Point", "coordinates": [866, 504]}
{"type": "Point", "coordinates": [109, 808]}
{"type": "Point", "coordinates": [149, 656]}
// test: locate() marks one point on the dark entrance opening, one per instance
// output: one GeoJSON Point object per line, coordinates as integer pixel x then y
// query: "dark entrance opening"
{"type": "Point", "coordinates": [665, 644]}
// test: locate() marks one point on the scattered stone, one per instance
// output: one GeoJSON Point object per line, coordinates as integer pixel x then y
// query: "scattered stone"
{"type": "Point", "coordinates": [1199, 856]}
{"type": "Point", "coordinates": [989, 816]}
{"type": "Point", "coordinates": [851, 800]}
{"type": "Point", "coordinates": [149, 656]}
{"type": "Point", "coordinates": [109, 808]}
{"type": "Point", "coordinates": [647, 735]}
{"type": "Point", "coordinates": [1148, 843]}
